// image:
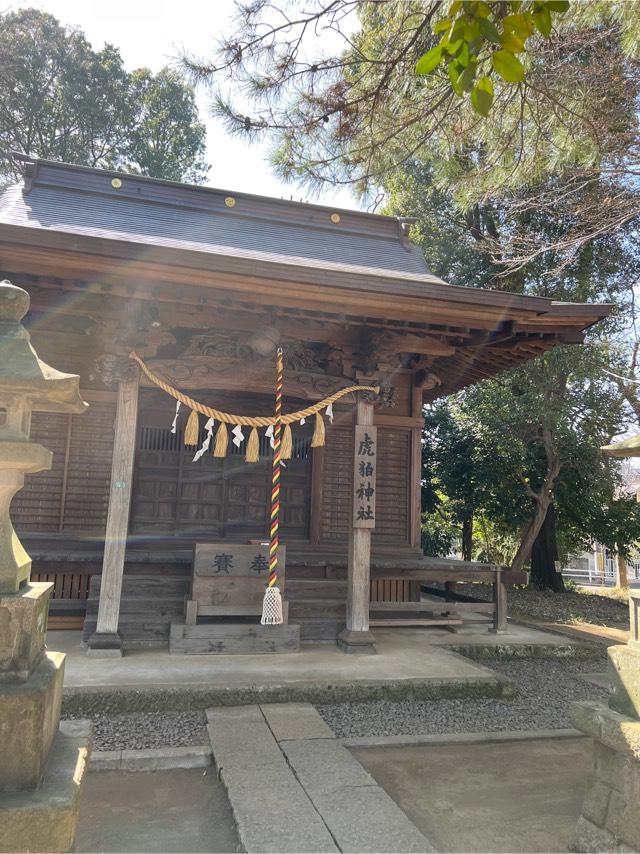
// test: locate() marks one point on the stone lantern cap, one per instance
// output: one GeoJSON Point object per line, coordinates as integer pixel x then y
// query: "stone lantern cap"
{"type": "Point", "coordinates": [627, 448]}
{"type": "Point", "coordinates": [22, 373]}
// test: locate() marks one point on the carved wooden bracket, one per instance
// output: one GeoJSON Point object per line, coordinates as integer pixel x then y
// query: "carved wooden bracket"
{"type": "Point", "coordinates": [140, 330]}
{"type": "Point", "coordinates": [112, 369]}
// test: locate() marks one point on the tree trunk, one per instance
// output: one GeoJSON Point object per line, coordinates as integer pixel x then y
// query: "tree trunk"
{"type": "Point", "coordinates": [467, 538]}
{"type": "Point", "coordinates": [544, 554]}
{"type": "Point", "coordinates": [531, 532]}
{"type": "Point", "coordinates": [622, 580]}
{"type": "Point", "coordinates": [542, 501]}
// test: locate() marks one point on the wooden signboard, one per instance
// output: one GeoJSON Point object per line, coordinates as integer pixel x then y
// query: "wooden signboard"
{"type": "Point", "coordinates": [229, 580]}
{"type": "Point", "coordinates": [364, 476]}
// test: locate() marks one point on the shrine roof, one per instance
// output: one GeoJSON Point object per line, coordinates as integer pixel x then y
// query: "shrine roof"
{"type": "Point", "coordinates": [327, 253]}
{"type": "Point", "coordinates": [78, 200]}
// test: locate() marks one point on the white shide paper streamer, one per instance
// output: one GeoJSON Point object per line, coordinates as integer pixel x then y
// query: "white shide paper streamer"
{"type": "Point", "coordinates": [175, 418]}
{"type": "Point", "coordinates": [207, 440]}
{"type": "Point", "coordinates": [238, 435]}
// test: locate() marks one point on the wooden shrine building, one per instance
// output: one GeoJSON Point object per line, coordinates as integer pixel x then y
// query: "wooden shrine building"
{"type": "Point", "coordinates": [203, 284]}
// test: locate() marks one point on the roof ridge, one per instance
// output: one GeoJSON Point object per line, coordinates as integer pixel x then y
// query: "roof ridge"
{"type": "Point", "coordinates": [201, 188]}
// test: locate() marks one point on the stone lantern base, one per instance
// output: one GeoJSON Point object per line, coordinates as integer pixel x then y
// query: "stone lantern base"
{"type": "Point", "coordinates": [610, 819]}
{"type": "Point", "coordinates": [43, 762]}
{"type": "Point", "coordinates": [44, 819]}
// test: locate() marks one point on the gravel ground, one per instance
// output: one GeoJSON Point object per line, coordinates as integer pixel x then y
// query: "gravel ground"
{"type": "Point", "coordinates": [571, 606]}
{"type": "Point", "coordinates": [144, 730]}
{"type": "Point", "coordinates": [545, 688]}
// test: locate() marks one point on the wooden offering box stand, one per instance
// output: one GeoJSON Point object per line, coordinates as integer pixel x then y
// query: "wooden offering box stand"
{"type": "Point", "coordinates": [227, 589]}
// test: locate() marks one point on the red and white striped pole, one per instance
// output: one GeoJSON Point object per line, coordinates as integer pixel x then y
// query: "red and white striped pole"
{"type": "Point", "coordinates": [272, 605]}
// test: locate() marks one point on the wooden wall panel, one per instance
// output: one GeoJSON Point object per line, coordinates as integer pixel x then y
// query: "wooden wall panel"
{"type": "Point", "coordinates": [36, 508]}
{"type": "Point", "coordinates": [393, 486]}
{"type": "Point", "coordinates": [337, 488]}
{"type": "Point", "coordinates": [89, 470]}
{"type": "Point", "coordinates": [72, 496]}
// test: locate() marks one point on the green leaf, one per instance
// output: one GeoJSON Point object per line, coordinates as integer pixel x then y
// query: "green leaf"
{"type": "Point", "coordinates": [455, 7]}
{"type": "Point", "coordinates": [508, 66]}
{"type": "Point", "coordinates": [457, 31]}
{"type": "Point", "coordinates": [482, 96]}
{"type": "Point", "coordinates": [462, 56]}
{"type": "Point", "coordinates": [454, 70]}
{"type": "Point", "coordinates": [560, 6]}
{"type": "Point", "coordinates": [467, 77]}
{"type": "Point", "coordinates": [489, 31]}
{"type": "Point", "coordinates": [452, 47]}
{"type": "Point", "coordinates": [442, 26]}
{"type": "Point", "coordinates": [518, 24]}
{"type": "Point", "coordinates": [429, 61]}
{"type": "Point", "coordinates": [483, 9]}
{"type": "Point", "coordinates": [471, 31]}
{"type": "Point", "coordinates": [485, 83]}
{"type": "Point", "coordinates": [512, 43]}
{"type": "Point", "coordinates": [542, 21]}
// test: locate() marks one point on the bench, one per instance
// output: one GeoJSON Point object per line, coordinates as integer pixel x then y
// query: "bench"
{"type": "Point", "coordinates": [451, 613]}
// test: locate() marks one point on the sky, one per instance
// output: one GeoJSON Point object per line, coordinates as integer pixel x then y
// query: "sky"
{"type": "Point", "coordinates": [150, 33]}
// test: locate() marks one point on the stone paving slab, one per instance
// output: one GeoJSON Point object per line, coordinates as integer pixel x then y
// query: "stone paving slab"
{"type": "Point", "coordinates": [271, 809]}
{"type": "Point", "coordinates": [292, 721]}
{"type": "Point", "coordinates": [366, 820]}
{"type": "Point", "coordinates": [306, 793]}
{"type": "Point", "coordinates": [359, 814]}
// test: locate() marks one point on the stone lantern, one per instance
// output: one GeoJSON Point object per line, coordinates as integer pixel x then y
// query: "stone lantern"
{"type": "Point", "coordinates": [42, 763]}
{"type": "Point", "coordinates": [610, 819]}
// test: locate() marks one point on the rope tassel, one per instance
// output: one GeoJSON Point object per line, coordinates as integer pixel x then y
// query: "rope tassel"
{"type": "Point", "coordinates": [192, 430]}
{"type": "Point", "coordinates": [222, 441]}
{"type": "Point", "coordinates": [253, 447]}
{"type": "Point", "coordinates": [272, 607]}
{"type": "Point", "coordinates": [317, 440]}
{"type": "Point", "coordinates": [287, 443]}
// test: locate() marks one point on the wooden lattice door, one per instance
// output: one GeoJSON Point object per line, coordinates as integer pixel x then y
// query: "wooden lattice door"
{"type": "Point", "coordinates": [212, 498]}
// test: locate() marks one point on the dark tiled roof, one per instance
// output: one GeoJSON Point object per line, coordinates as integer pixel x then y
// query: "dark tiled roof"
{"type": "Point", "coordinates": [81, 201]}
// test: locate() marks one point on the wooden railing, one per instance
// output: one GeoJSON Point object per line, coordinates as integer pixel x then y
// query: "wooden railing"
{"type": "Point", "coordinates": [70, 587]}
{"type": "Point", "coordinates": [450, 611]}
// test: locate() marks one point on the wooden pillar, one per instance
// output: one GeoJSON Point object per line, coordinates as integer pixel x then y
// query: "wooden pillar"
{"type": "Point", "coordinates": [107, 641]}
{"type": "Point", "coordinates": [499, 603]}
{"type": "Point", "coordinates": [356, 637]}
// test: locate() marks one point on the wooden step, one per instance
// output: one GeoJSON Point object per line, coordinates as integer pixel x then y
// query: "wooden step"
{"type": "Point", "coordinates": [233, 639]}
{"type": "Point", "coordinates": [313, 589]}
{"type": "Point", "coordinates": [402, 617]}
{"type": "Point", "coordinates": [151, 607]}
{"type": "Point", "coordinates": [146, 586]}
{"type": "Point", "coordinates": [300, 610]}
{"type": "Point", "coordinates": [321, 630]}
{"type": "Point", "coordinates": [135, 631]}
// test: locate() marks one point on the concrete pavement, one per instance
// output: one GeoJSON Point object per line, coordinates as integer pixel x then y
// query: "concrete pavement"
{"type": "Point", "coordinates": [410, 662]}
{"type": "Point", "coordinates": [517, 796]}
{"type": "Point", "coordinates": [155, 811]}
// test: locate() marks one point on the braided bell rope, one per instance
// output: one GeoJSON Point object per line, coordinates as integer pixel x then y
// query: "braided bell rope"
{"type": "Point", "coordinates": [247, 420]}
{"type": "Point", "coordinates": [275, 476]}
